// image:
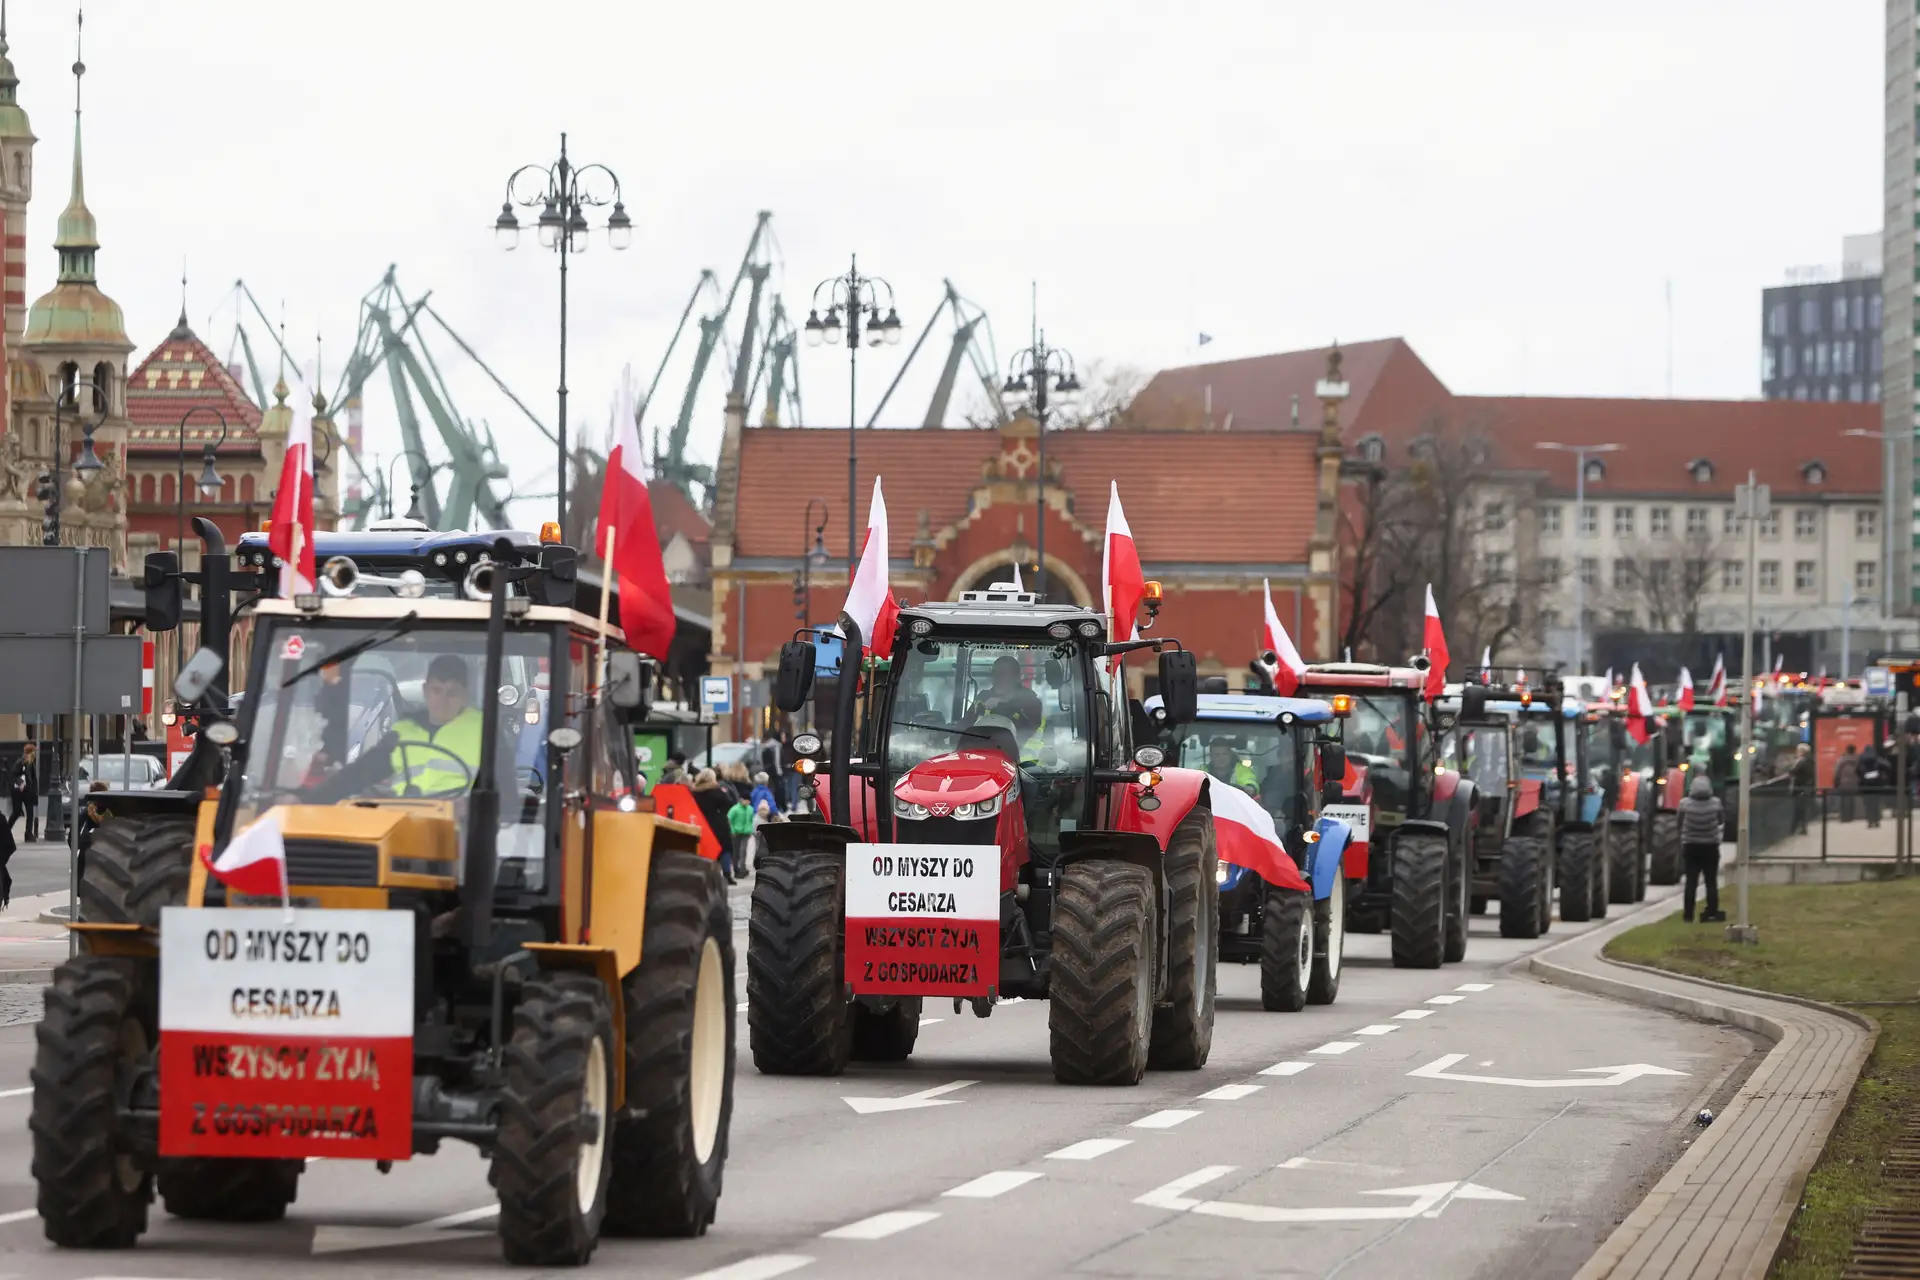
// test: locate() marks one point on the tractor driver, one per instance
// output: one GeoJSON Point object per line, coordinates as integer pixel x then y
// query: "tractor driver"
{"type": "Point", "coordinates": [1009, 697]}
{"type": "Point", "coordinates": [450, 722]}
{"type": "Point", "coordinates": [1225, 765]}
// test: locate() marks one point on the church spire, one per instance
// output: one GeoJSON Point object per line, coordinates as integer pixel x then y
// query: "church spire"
{"type": "Point", "coordinates": [79, 237]}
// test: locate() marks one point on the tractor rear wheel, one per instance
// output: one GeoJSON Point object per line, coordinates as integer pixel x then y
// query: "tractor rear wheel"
{"type": "Point", "coordinates": [1665, 839]}
{"type": "Point", "coordinates": [1100, 1011]}
{"type": "Point", "coordinates": [670, 1139]}
{"type": "Point", "coordinates": [1623, 858]}
{"type": "Point", "coordinates": [1330, 943]}
{"type": "Point", "coordinates": [1520, 872]}
{"type": "Point", "coordinates": [550, 1160]}
{"type": "Point", "coordinates": [1286, 951]}
{"type": "Point", "coordinates": [1578, 850]}
{"type": "Point", "coordinates": [246, 1189]}
{"type": "Point", "coordinates": [1183, 1022]}
{"type": "Point", "coordinates": [1602, 891]}
{"type": "Point", "coordinates": [798, 1020]}
{"type": "Point", "coordinates": [1459, 890]}
{"type": "Point", "coordinates": [134, 867]}
{"type": "Point", "coordinates": [1419, 899]}
{"type": "Point", "coordinates": [889, 1036]}
{"type": "Point", "coordinates": [93, 1193]}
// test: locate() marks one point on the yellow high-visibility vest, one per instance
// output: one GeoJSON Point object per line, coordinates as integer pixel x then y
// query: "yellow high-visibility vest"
{"type": "Point", "coordinates": [431, 772]}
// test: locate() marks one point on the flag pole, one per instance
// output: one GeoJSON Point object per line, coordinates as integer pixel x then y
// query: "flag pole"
{"type": "Point", "coordinates": [606, 595]}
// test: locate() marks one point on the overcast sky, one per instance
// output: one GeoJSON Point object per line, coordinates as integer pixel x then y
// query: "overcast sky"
{"type": "Point", "coordinates": [1509, 186]}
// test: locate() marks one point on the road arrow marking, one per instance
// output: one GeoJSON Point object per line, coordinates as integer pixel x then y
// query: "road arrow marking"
{"type": "Point", "coordinates": [1426, 1200]}
{"type": "Point", "coordinates": [1589, 1077]}
{"type": "Point", "coordinates": [1173, 1195]}
{"type": "Point", "coordinates": [924, 1098]}
{"type": "Point", "coordinates": [331, 1239]}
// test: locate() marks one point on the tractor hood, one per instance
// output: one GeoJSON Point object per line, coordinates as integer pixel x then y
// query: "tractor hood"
{"type": "Point", "coordinates": [946, 782]}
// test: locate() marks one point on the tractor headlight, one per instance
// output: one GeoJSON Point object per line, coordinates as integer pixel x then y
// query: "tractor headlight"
{"type": "Point", "coordinates": [979, 809]}
{"type": "Point", "coordinates": [1220, 873]}
{"type": "Point", "coordinates": [908, 809]}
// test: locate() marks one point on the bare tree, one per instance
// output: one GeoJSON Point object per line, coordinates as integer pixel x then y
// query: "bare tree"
{"type": "Point", "coordinates": [1668, 579]}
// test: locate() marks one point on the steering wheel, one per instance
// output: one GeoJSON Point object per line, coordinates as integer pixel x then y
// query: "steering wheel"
{"type": "Point", "coordinates": [407, 788]}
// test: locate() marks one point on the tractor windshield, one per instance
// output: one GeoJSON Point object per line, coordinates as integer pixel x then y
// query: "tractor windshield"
{"type": "Point", "coordinates": [399, 718]}
{"type": "Point", "coordinates": [1380, 727]}
{"type": "Point", "coordinates": [1261, 759]}
{"type": "Point", "coordinates": [1479, 752]}
{"type": "Point", "coordinates": [1538, 757]}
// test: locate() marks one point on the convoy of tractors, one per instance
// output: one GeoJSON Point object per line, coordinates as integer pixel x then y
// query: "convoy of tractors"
{"type": "Point", "coordinates": [472, 926]}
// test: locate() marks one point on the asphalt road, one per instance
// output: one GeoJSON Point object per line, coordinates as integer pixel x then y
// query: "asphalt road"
{"type": "Point", "coordinates": [1341, 1141]}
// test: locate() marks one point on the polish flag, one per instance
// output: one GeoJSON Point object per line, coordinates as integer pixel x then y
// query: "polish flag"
{"type": "Point", "coordinates": [1017, 584]}
{"type": "Point", "coordinates": [870, 604]}
{"type": "Point", "coordinates": [1639, 705]}
{"type": "Point", "coordinates": [254, 861]}
{"type": "Point", "coordinates": [1686, 689]}
{"type": "Point", "coordinates": [626, 520]}
{"type": "Point", "coordinates": [290, 533]}
{"type": "Point", "coordinates": [1123, 584]}
{"type": "Point", "coordinates": [1436, 646]}
{"type": "Point", "coordinates": [1279, 656]}
{"type": "Point", "coordinates": [1717, 686]}
{"type": "Point", "coordinates": [1244, 835]}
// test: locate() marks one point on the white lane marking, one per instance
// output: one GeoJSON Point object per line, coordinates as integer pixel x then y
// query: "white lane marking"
{"type": "Point", "coordinates": [462, 1218]}
{"type": "Point", "coordinates": [1474, 986]}
{"type": "Point", "coordinates": [1164, 1119]}
{"type": "Point", "coordinates": [764, 1267]}
{"type": "Point", "coordinates": [14, 1093]}
{"type": "Point", "coordinates": [1091, 1149]}
{"type": "Point", "coordinates": [989, 1185]}
{"type": "Point", "coordinates": [18, 1215]}
{"type": "Point", "coordinates": [741, 1007]}
{"type": "Point", "coordinates": [1285, 1069]}
{"type": "Point", "coordinates": [927, 1022]}
{"type": "Point", "coordinates": [1376, 1029]}
{"type": "Point", "coordinates": [880, 1225]}
{"type": "Point", "coordinates": [1230, 1092]}
{"type": "Point", "coordinates": [1446, 999]}
{"type": "Point", "coordinates": [1336, 1046]}
{"type": "Point", "coordinates": [923, 1098]}
{"type": "Point", "coordinates": [1412, 1014]}
{"type": "Point", "coordinates": [1173, 1195]}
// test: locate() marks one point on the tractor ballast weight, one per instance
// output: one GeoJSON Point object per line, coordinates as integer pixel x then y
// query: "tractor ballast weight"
{"type": "Point", "coordinates": [987, 832]}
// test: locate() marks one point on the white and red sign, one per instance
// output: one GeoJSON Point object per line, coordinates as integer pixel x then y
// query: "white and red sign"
{"type": "Point", "coordinates": [146, 677]}
{"type": "Point", "coordinates": [286, 1034]}
{"type": "Point", "coordinates": [923, 919]}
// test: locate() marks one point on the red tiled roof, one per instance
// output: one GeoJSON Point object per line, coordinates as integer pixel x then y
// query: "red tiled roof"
{"type": "Point", "coordinates": [1186, 495]}
{"type": "Point", "coordinates": [181, 374]}
{"type": "Point", "coordinates": [1385, 380]}
{"type": "Point", "coordinates": [1661, 439]}
{"type": "Point", "coordinates": [674, 512]}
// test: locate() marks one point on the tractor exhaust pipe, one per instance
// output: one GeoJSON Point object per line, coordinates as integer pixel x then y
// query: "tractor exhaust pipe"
{"type": "Point", "coordinates": [483, 805]}
{"type": "Point", "coordinates": [839, 790]}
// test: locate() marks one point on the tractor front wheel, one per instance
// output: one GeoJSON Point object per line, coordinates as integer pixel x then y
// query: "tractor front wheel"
{"type": "Point", "coordinates": [1100, 1006]}
{"type": "Point", "coordinates": [1330, 943]}
{"type": "Point", "coordinates": [134, 867]}
{"type": "Point", "coordinates": [798, 1019]}
{"type": "Point", "coordinates": [1578, 850]}
{"type": "Point", "coordinates": [670, 1141]}
{"type": "Point", "coordinates": [1183, 1022]}
{"type": "Point", "coordinates": [1623, 863]}
{"type": "Point", "coordinates": [1286, 951]}
{"type": "Point", "coordinates": [1420, 900]}
{"type": "Point", "coordinates": [1459, 892]}
{"type": "Point", "coordinates": [1665, 839]}
{"type": "Point", "coordinates": [888, 1036]}
{"type": "Point", "coordinates": [243, 1189]}
{"type": "Point", "coordinates": [1520, 871]}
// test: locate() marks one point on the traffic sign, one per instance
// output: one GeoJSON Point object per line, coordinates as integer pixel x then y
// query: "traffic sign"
{"type": "Point", "coordinates": [1879, 682]}
{"type": "Point", "coordinates": [716, 693]}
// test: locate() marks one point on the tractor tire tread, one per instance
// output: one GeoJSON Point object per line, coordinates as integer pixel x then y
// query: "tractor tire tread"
{"type": "Point", "coordinates": [798, 1022]}
{"type": "Point", "coordinates": [1183, 1022]}
{"type": "Point", "coordinates": [1419, 900]}
{"type": "Point", "coordinates": [134, 867]}
{"type": "Point", "coordinates": [1103, 953]}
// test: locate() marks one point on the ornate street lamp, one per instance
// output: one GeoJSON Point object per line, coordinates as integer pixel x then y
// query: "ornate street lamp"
{"type": "Point", "coordinates": [853, 308]}
{"type": "Point", "coordinates": [1038, 377]}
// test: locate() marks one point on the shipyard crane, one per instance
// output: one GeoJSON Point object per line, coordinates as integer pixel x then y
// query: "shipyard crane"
{"type": "Point", "coordinates": [967, 346]}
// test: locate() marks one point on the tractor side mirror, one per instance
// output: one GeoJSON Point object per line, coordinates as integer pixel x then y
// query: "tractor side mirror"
{"type": "Point", "coordinates": [162, 583]}
{"type": "Point", "coordinates": [558, 578]}
{"type": "Point", "coordinates": [1473, 702]}
{"type": "Point", "coordinates": [626, 679]}
{"type": "Point", "coordinates": [1333, 772]}
{"type": "Point", "coordinates": [197, 676]}
{"type": "Point", "coordinates": [795, 679]}
{"type": "Point", "coordinates": [1179, 686]}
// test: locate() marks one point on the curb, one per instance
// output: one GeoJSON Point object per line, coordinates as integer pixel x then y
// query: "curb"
{"type": "Point", "coordinates": [1715, 1212]}
{"type": "Point", "coordinates": [36, 977]}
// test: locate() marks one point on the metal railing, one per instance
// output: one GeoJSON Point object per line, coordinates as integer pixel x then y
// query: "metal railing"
{"type": "Point", "coordinates": [1823, 823]}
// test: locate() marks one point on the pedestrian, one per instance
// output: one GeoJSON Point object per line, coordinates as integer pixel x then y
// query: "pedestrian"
{"type": "Point", "coordinates": [738, 781]}
{"type": "Point", "coordinates": [23, 787]}
{"type": "Point", "coordinates": [675, 770]}
{"type": "Point", "coordinates": [1801, 778]}
{"type": "Point", "coordinates": [763, 793]}
{"type": "Point", "coordinates": [1875, 780]}
{"type": "Point", "coordinates": [1846, 780]}
{"type": "Point", "coordinates": [740, 823]}
{"type": "Point", "coordinates": [1702, 822]}
{"type": "Point", "coordinates": [714, 802]}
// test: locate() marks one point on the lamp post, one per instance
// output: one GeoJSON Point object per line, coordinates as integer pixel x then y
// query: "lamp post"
{"type": "Point", "coordinates": [1751, 504]}
{"type": "Point", "coordinates": [85, 465]}
{"type": "Point", "coordinates": [1029, 374]}
{"type": "Point", "coordinates": [812, 557]}
{"type": "Point", "coordinates": [210, 481]}
{"type": "Point", "coordinates": [429, 468]}
{"type": "Point", "coordinates": [563, 199]}
{"type": "Point", "coordinates": [1580, 453]}
{"type": "Point", "coordinates": [850, 298]}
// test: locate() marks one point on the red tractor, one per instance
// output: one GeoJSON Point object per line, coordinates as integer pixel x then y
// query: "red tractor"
{"type": "Point", "coordinates": [989, 831]}
{"type": "Point", "coordinates": [1418, 812]}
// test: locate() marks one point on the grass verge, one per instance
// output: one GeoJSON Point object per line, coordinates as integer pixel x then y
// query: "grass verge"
{"type": "Point", "coordinates": [1845, 944]}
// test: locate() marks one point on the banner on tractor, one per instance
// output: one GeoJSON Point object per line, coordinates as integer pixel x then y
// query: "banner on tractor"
{"type": "Point", "coordinates": [286, 1034]}
{"type": "Point", "coordinates": [923, 919]}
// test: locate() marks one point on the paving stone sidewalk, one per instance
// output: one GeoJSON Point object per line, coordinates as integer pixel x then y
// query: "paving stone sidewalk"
{"type": "Point", "coordinates": [1723, 1209]}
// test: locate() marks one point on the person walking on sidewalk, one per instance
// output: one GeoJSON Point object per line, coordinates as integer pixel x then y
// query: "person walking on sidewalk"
{"type": "Point", "coordinates": [740, 823]}
{"type": "Point", "coordinates": [1702, 822]}
{"type": "Point", "coordinates": [23, 787]}
{"type": "Point", "coordinates": [1875, 780]}
{"type": "Point", "coordinates": [1802, 779]}
{"type": "Point", "coordinates": [1846, 780]}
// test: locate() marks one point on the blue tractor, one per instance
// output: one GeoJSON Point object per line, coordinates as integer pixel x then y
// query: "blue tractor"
{"type": "Point", "coordinates": [1275, 751]}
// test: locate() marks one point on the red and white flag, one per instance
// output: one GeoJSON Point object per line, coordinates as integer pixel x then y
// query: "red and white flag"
{"type": "Point", "coordinates": [626, 514]}
{"type": "Point", "coordinates": [1245, 836]}
{"type": "Point", "coordinates": [1017, 584]}
{"type": "Point", "coordinates": [1123, 583]}
{"type": "Point", "coordinates": [254, 861]}
{"type": "Point", "coordinates": [1717, 686]}
{"type": "Point", "coordinates": [290, 532]}
{"type": "Point", "coordinates": [1284, 664]}
{"type": "Point", "coordinates": [1639, 705]}
{"type": "Point", "coordinates": [1435, 641]}
{"type": "Point", "coordinates": [870, 604]}
{"type": "Point", "coordinates": [1686, 690]}
{"type": "Point", "coordinates": [1486, 665]}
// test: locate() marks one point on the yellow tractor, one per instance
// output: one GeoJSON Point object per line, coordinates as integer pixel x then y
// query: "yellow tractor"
{"type": "Point", "coordinates": [427, 901]}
